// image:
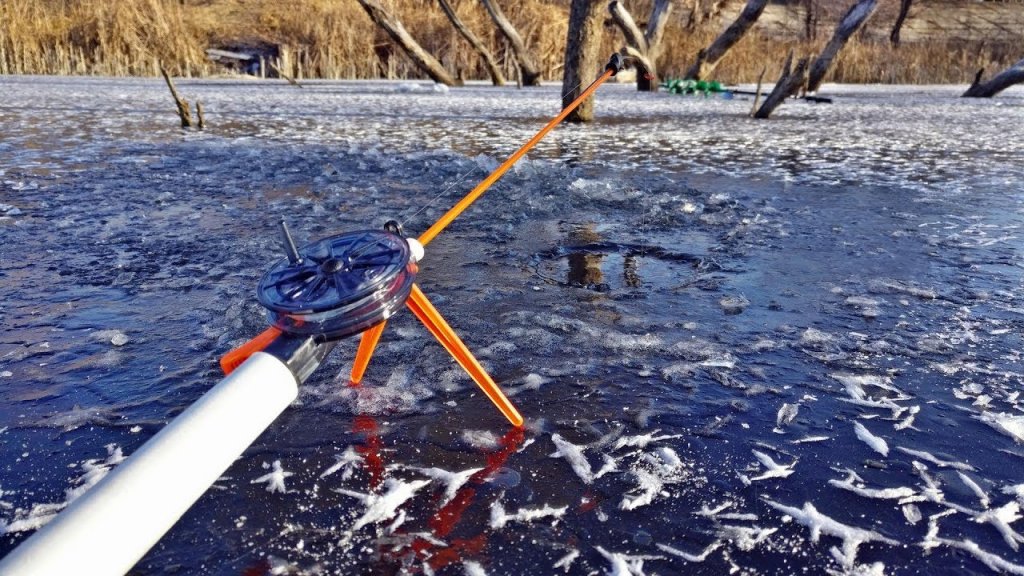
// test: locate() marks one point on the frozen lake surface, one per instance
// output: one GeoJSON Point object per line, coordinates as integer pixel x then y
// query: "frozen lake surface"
{"type": "Point", "coordinates": [762, 347]}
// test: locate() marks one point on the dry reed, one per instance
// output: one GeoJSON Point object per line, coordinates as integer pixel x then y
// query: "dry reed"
{"type": "Point", "coordinates": [335, 39]}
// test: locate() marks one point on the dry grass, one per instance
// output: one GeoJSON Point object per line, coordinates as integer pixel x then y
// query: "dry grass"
{"type": "Point", "coordinates": [335, 39]}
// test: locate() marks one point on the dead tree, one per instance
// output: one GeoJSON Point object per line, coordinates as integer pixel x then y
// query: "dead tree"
{"type": "Point", "coordinates": [894, 36]}
{"type": "Point", "coordinates": [708, 58]}
{"type": "Point", "coordinates": [528, 69]}
{"type": "Point", "coordinates": [644, 47]}
{"type": "Point", "coordinates": [788, 85]}
{"type": "Point", "coordinates": [184, 112]}
{"type": "Point", "coordinates": [700, 13]}
{"type": "Point", "coordinates": [1012, 75]}
{"type": "Point", "coordinates": [850, 23]}
{"type": "Point", "coordinates": [497, 78]}
{"type": "Point", "coordinates": [582, 61]}
{"type": "Point", "coordinates": [423, 60]}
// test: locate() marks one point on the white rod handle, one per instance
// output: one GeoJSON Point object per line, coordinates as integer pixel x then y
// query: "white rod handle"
{"type": "Point", "coordinates": [107, 530]}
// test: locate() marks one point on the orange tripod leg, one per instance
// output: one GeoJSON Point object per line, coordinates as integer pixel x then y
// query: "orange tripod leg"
{"type": "Point", "coordinates": [367, 343]}
{"type": "Point", "coordinates": [432, 319]}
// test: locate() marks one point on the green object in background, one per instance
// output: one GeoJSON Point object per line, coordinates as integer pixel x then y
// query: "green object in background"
{"type": "Point", "coordinates": [679, 86]}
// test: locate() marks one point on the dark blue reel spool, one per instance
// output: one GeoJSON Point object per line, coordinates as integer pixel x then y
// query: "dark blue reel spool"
{"type": "Point", "coordinates": [338, 286]}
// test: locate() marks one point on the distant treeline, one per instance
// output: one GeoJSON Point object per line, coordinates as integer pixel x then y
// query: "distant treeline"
{"type": "Point", "coordinates": [335, 39]}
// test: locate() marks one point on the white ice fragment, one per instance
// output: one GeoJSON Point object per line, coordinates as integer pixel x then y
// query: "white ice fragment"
{"type": "Point", "coordinates": [348, 460]}
{"type": "Point", "coordinates": [712, 512]}
{"type": "Point", "coordinates": [624, 564]}
{"type": "Point", "coordinates": [978, 490]}
{"type": "Point", "coordinates": [995, 562]}
{"type": "Point", "coordinates": [787, 413]}
{"type": "Point", "coordinates": [610, 465]}
{"type": "Point", "coordinates": [274, 479]}
{"type": "Point", "coordinates": [574, 455]}
{"type": "Point", "coordinates": [40, 514]}
{"type": "Point", "coordinates": [809, 439]}
{"type": "Point", "coordinates": [1009, 424]}
{"type": "Point", "coordinates": [1016, 490]}
{"type": "Point", "coordinates": [642, 440]}
{"type": "Point", "coordinates": [565, 562]}
{"type": "Point", "coordinates": [119, 339]}
{"type": "Point", "coordinates": [499, 518]}
{"type": "Point", "coordinates": [481, 439]}
{"type": "Point", "coordinates": [649, 486]}
{"type": "Point", "coordinates": [876, 443]}
{"type": "Point", "coordinates": [773, 469]}
{"type": "Point", "coordinates": [815, 337]}
{"type": "Point", "coordinates": [884, 493]}
{"type": "Point", "coordinates": [928, 457]}
{"type": "Point", "coordinates": [470, 567]}
{"type": "Point", "coordinates": [819, 524]}
{"type": "Point", "coordinates": [691, 557]}
{"type": "Point", "coordinates": [452, 480]}
{"type": "Point", "coordinates": [669, 457]}
{"type": "Point", "coordinates": [746, 538]}
{"type": "Point", "coordinates": [912, 513]}
{"type": "Point", "coordinates": [399, 520]}
{"type": "Point", "coordinates": [1001, 518]}
{"type": "Point", "coordinates": [384, 506]}
{"type": "Point", "coordinates": [908, 422]}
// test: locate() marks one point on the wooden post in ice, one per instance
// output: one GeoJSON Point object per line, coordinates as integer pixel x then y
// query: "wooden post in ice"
{"type": "Point", "coordinates": [855, 17]}
{"type": "Point", "coordinates": [1012, 75]}
{"type": "Point", "coordinates": [788, 85]}
{"type": "Point", "coordinates": [184, 113]}
{"type": "Point", "coordinates": [582, 61]}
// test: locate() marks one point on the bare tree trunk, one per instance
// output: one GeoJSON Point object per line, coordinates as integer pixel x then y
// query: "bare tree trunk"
{"type": "Point", "coordinates": [709, 58]}
{"type": "Point", "coordinates": [184, 112]}
{"type": "Point", "coordinates": [643, 47]}
{"type": "Point", "coordinates": [497, 78]}
{"type": "Point", "coordinates": [423, 60]}
{"type": "Point", "coordinates": [582, 62]}
{"type": "Point", "coordinates": [850, 23]}
{"type": "Point", "coordinates": [528, 68]}
{"type": "Point", "coordinates": [788, 85]}
{"type": "Point", "coordinates": [1012, 75]}
{"type": "Point", "coordinates": [810, 19]}
{"type": "Point", "coordinates": [894, 36]}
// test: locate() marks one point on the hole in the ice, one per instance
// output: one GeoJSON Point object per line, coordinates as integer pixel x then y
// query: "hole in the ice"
{"type": "Point", "coordinates": [588, 261]}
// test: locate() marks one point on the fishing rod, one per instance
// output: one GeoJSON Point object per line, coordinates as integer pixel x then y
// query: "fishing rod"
{"type": "Point", "coordinates": [322, 292]}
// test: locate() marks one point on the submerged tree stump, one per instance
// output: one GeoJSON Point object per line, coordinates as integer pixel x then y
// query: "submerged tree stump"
{"type": "Point", "coordinates": [643, 47]}
{"type": "Point", "coordinates": [497, 78]}
{"type": "Point", "coordinates": [789, 84]}
{"type": "Point", "coordinates": [852, 21]}
{"type": "Point", "coordinates": [1012, 75]}
{"type": "Point", "coordinates": [529, 71]}
{"type": "Point", "coordinates": [709, 58]}
{"type": "Point", "coordinates": [423, 59]}
{"type": "Point", "coordinates": [184, 112]}
{"type": "Point", "coordinates": [582, 61]}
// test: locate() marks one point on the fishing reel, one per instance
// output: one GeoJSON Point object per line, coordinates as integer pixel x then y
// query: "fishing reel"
{"type": "Point", "coordinates": [329, 290]}
{"type": "Point", "coordinates": [341, 285]}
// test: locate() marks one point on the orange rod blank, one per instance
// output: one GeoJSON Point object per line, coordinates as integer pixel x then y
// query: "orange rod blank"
{"type": "Point", "coordinates": [482, 187]}
{"type": "Point", "coordinates": [367, 343]}
{"type": "Point", "coordinates": [432, 319]}
{"type": "Point", "coordinates": [234, 358]}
